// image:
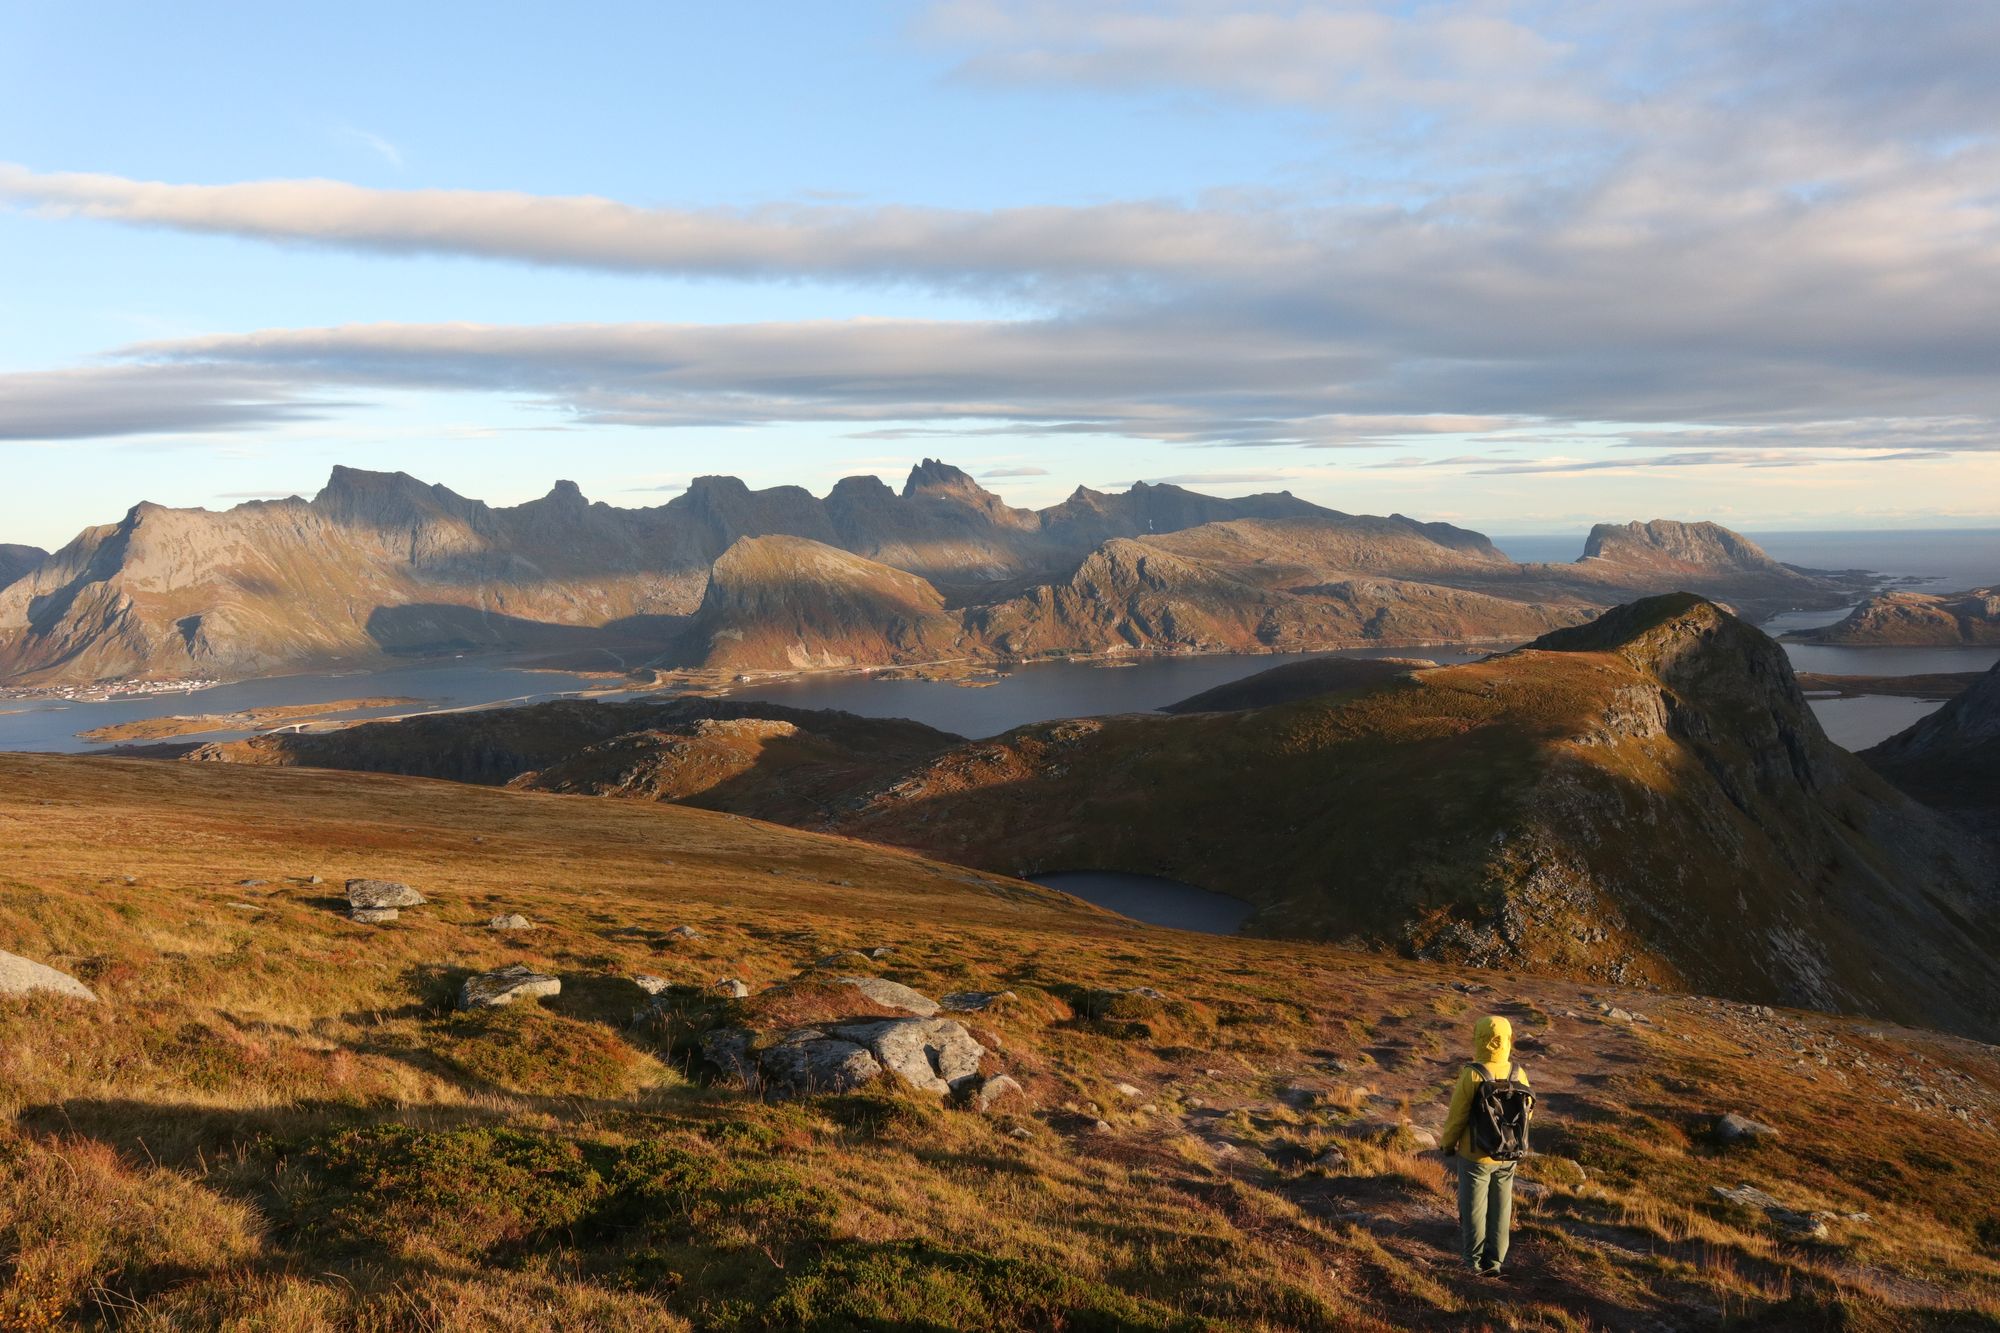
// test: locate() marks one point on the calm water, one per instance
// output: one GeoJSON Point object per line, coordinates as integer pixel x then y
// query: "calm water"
{"type": "Point", "coordinates": [1157, 902]}
{"type": "Point", "coordinates": [1860, 723]}
{"type": "Point", "coordinates": [52, 725]}
{"type": "Point", "coordinates": [1047, 690]}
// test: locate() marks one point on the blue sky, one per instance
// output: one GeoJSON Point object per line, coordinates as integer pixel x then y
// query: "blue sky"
{"type": "Point", "coordinates": [1524, 266]}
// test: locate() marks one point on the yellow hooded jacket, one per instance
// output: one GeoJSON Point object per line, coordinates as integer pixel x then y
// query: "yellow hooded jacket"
{"type": "Point", "coordinates": [1493, 1048]}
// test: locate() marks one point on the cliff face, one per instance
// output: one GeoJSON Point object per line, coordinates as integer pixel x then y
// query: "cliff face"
{"type": "Point", "coordinates": [1917, 619]}
{"type": "Point", "coordinates": [1668, 545]}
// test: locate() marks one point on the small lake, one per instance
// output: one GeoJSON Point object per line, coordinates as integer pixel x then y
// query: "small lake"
{"type": "Point", "coordinates": [1155, 901]}
{"type": "Point", "coordinates": [1856, 724]}
{"type": "Point", "coordinates": [1044, 691]}
{"type": "Point", "coordinates": [52, 724]}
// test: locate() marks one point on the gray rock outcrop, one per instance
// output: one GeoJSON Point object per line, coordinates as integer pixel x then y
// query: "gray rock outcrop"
{"type": "Point", "coordinates": [490, 990]}
{"type": "Point", "coordinates": [975, 1001]}
{"type": "Point", "coordinates": [1733, 1128]}
{"type": "Point", "coordinates": [809, 1061]}
{"type": "Point", "coordinates": [19, 975]}
{"type": "Point", "coordinates": [373, 893]}
{"type": "Point", "coordinates": [892, 995]}
{"type": "Point", "coordinates": [930, 1054]}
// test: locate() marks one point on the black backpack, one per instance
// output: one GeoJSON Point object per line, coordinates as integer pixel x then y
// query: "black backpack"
{"type": "Point", "coordinates": [1500, 1109]}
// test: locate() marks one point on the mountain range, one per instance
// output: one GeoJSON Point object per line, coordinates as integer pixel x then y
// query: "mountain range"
{"type": "Point", "coordinates": [724, 578]}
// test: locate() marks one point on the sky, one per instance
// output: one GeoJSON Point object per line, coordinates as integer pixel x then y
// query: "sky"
{"type": "Point", "coordinates": [1523, 266]}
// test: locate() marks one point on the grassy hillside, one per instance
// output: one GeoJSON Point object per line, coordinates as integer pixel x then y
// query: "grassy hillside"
{"type": "Point", "coordinates": [1644, 799]}
{"type": "Point", "coordinates": [273, 1119]}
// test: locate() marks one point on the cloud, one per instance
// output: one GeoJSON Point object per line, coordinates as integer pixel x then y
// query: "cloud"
{"type": "Point", "coordinates": [374, 143]}
{"type": "Point", "coordinates": [1776, 222]}
{"type": "Point", "coordinates": [127, 400]}
{"type": "Point", "coordinates": [906, 243]}
{"type": "Point", "coordinates": [1018, 471]}
{"type": "Point", "coordinates": [1715, 458]}
{"type": "Point", "coordinates": [1217, 478]}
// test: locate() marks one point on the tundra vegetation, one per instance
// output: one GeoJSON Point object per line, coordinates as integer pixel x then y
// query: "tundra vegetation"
{"type": "Point", "coordinates": [273, 1116]}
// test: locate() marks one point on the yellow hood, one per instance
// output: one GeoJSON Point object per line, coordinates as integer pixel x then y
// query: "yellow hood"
{"type": "Point", "coordinates": [1493, 1040]}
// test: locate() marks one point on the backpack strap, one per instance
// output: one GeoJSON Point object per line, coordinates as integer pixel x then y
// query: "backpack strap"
{"type": "Point", "coordinates": [1514, 1072]}
{"type": "Point", "coordinates": [1478, 1074]}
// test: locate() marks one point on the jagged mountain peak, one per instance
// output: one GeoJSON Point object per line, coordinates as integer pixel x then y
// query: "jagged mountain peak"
{"type": "Point", "coordinates": [934, 476]}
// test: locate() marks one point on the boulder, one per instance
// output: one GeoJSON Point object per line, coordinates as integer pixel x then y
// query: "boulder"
{"type": "Point", "coordinates": [809, 1061]}
{"type": "Point", "coordinates": [728, 1049]}
{"type": "Point", "coordinates": [930, 1054]}
{"type": "Point", "coordinates": [1126, 1090]}
{"type": "Point", "coordinates": [20, 975]}
{"type": "Point", "coordinates": [511, 921]}
{"type": "Point", "coordinates": [1795, 1224]}
{"type": "Point", "coordinates": [892, 994]}
{"type": "Point", "coordinates": [373, 916]}
{"type": "Point", "coordinates": [490, 990]}
{"type": "Point", "coordinates": [683, 933]}
{"type": "Point", "coordinates": [975, 1001]}
{"type": "Point", "coordinates": [842, 958]}
{"type": "Point", "coordinates": [368, 893]}
{"type": "Point", "coordinates": [731, 988]}
{"type": "Point", "coordinates": [652, 985]}
{"type": "Point", "coordinates": [1733, 1128]}
{"type": "Point", "coordinates": [993, 1091]}
{"type": "Point", "coordinates": [1332, 1162]}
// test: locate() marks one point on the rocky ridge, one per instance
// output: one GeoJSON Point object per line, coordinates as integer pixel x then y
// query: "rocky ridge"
{"type": "Point", "coordinates": [724, 578]}
{"type": "Point", "coordinates": [18, 561]}
{"type": "Point", "coordinates": [1916, 619]}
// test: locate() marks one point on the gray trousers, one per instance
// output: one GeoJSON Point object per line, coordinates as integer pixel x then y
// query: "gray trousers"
{"type": "Point", "coordinates": [1485, 1212]}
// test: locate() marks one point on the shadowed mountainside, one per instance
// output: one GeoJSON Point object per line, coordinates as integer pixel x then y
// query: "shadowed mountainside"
{"type": "Point", "coordinates": [1951, 759]}
{"type": "Point", "coordinates": [793, 765]}
{"type": "Point", "coordinates": [18, 561]}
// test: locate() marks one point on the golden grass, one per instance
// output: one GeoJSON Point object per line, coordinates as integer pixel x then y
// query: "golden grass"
{"type": "Point", "coordinates": [272, 1119]}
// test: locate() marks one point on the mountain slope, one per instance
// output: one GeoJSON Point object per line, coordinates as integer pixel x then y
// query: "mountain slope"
{"type": "Point", "coordinates": [1143, 594]}
{"type": "Point", "coordinates": [795, 765]}
{"type": "Point", "coordinates": [273, 1116]}
{"type": "Point", "coordinates": [1951, 759]}
{"type": "Point", "coordinates": [1645, 798]}
{"type": "Point", "coordinates": [17, 561]}
{"type": "Point", "coordinates": [1916, 619]}
{"type": "Point", "coordinates": [789, 603]}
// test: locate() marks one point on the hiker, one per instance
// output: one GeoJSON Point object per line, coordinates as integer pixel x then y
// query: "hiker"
{"type": "Point", "coordinates": [1485, 1134]}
